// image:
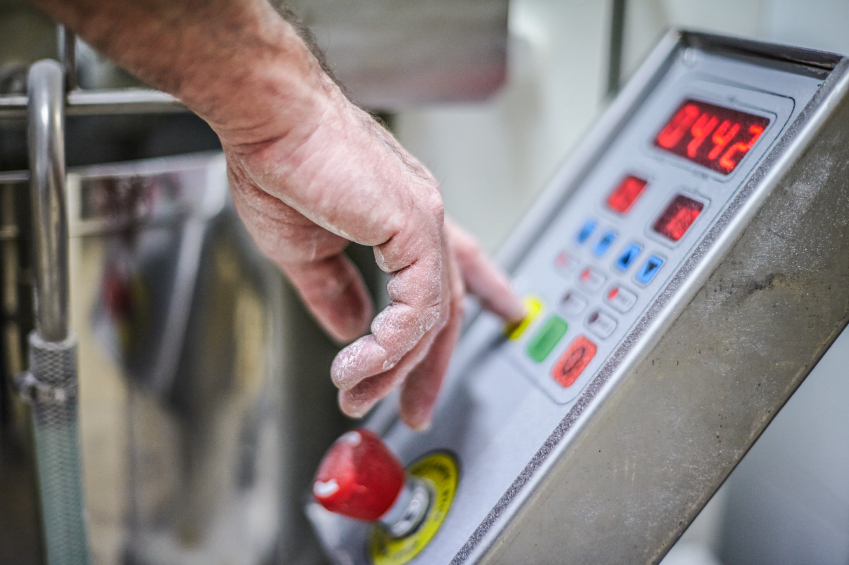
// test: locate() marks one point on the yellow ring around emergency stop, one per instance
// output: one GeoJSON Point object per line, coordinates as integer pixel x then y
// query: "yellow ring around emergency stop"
{"type": "Point", "coordinates": [440, 471]}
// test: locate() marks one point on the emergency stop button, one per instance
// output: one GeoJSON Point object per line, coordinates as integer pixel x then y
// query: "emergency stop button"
{"type": "Point", "coordinates": [359, 477]}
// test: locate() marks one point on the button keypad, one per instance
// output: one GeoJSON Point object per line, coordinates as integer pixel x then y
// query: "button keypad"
{"type": "Point", "coordinates": [604, 243]}
{"type": "Point", "coordinates": [620, 299]}
{"type": "Point", "coordinates": [601, 324]}
{"type": "Point", "coordinates": [597, 294]}
{"type": "Point", "coordinates": [631, 251]}
{"type": "Point", "coordinates": [590, 279]}
{"type": "Point", "coordinates": [586, 231]}
{"type": "Point", "coordinates": [649, 269]}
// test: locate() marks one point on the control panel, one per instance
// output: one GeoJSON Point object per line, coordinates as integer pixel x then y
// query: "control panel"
{"type": "Point", "coordinates": [623, 239]}
{"type": "Point", "coordinates": [636, 218]}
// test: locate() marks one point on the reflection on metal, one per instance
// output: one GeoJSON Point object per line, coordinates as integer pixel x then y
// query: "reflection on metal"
{"type": "Point", "coordinates": [47, 182]}
{"type": "Point", "coordinates": [391, 54]}
{"type": "Point", "coordinates": [101, 102]}
{"type": "Point", "coordinates": [51, 383]}
{"type": "Point", "coordinates": [176, 315]}
{"type": "Point", "coordinates": [20, 530]}
{"type": "Point", "coordinates": [67, 41]}
{"type": "Point", "coordinates": [204, 398]}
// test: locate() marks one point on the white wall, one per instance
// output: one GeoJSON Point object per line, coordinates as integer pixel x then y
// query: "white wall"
{"type": "Point", "coordinates": [492, 158]}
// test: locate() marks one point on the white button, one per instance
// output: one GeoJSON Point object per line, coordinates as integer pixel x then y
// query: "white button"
{"type": "Point", "coordinates": [590, 279]}
{"type": "Point", "coordinates": [601, 324]}
{"type": "Point", "coordinates": [564, 263]}
{"type": "Point", "coordinates": [620, 298]}
{"type": "Point", "coordinates": [571, 304]}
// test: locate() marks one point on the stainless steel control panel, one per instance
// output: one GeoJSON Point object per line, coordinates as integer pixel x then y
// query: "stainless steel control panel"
{"type": "Point", "coordinates": [629, 236]}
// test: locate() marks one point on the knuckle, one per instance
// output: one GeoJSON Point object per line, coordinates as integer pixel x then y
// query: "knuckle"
{"type": "Point", "coordinates": [436, 207]}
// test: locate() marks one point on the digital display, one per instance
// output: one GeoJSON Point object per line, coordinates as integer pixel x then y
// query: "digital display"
{"type": "Point", "coordinates": [624, 196]}
{"type": "Point", "coordinates": [678, 217]}
{"type": "Point", "coordinates": [712, 136]}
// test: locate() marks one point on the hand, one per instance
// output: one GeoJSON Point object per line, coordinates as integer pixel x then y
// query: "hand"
{"type": "Point", "coordinates": [310, 172]}
{"type": "Point", "coordinates": [349, 180]}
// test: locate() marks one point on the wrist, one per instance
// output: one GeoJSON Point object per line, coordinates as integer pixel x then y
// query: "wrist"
{"type": "Point", "coordinates": [259, 84]}
{"type": "Point", "coordinates": [236, 63]}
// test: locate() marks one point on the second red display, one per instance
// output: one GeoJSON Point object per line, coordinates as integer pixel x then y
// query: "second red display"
{"type": "Point", "coordinates": [712, 136]}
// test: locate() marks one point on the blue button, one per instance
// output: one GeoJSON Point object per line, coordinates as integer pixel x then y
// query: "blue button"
{"type": "Point", "coordinates": [604, 243]}
{"type": "Point", "coordinates": [649, 269]}
{"type": "Point", "coordinates": [628, 255]}
{"type": "Point", "coordinates": [586, 231]}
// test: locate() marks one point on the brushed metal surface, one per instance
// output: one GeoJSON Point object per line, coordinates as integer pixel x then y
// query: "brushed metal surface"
{"type": "Point", "coordinates": [47, 185]}
{"type": "Point", "coordinates": [617, 474]}
{"type": "Point", "coordinates": [392, 54]}
{"type": "Point", "coordinates": [662, 439]}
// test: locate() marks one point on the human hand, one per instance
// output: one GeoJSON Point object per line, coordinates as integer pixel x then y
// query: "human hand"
{"type": "Point", "coordinates": [349, 180]}
{"type": "Point", "coordinates": [310, 172]}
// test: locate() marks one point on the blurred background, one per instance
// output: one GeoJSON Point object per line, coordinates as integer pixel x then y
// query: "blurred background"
{"type": "Point", "coordinates": [205, 400]}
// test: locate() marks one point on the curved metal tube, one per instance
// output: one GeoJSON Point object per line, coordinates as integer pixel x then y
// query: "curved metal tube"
{"type": "Point", "coordinates": [46, 109]}
{"type": "Point", "coordinates": [53, 351]}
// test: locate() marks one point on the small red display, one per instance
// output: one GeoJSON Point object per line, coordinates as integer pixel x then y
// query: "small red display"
{"type": "Point", "coordinates": [621, 199]}
{"type": "Point", "coordinates": [712, 136]}
{"type": "Point", "coordinates": [678, 217]}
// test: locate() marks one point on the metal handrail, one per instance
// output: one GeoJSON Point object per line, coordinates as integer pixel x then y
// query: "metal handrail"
{"type": "Point", "coordinates": [100, 102]}
{"type": "Point", "coordinates": [47, 185]}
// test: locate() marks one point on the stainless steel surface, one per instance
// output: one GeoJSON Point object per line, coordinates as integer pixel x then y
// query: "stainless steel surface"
{"type": "Point", "coordinates": [179, 414]}
{"type": "Point", "coordinates": [68, 56]}
{"type": "Point", "coordinates": [20, 533]}
{"type": "Point", "coordinates": [696, 401]}
{"type": "Point", "coordinates": [391, 54]}
{"type": "Point", "coordinates": [47, 183]}
{"type": "Point", "coordinates": [387, 54]}
{"type": "Point", "coordinates": [51, 383]}
{"type": "Point", "coordinates": [746, 305]}
{"type": "Point", "coordinates": [204, 456]}
{"type": "Point", "coordinates": [101, 102]}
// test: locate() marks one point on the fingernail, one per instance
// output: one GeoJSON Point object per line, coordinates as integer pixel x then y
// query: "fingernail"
{"type": "Point", "coordinates": [422, 426]}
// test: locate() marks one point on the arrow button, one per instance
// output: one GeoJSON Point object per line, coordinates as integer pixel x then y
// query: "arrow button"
{"type": "Point", "coordinates": [649, 269]}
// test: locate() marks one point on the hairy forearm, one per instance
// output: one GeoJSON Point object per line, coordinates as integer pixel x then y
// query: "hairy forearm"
{"type": "Point", "coordinates": [234, 62]}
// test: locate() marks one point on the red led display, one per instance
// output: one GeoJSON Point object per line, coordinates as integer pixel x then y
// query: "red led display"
{"type": "Point", "coordinates": [712, 136]}
{"type": "Point", "coordinates": [678, 217]}
{"type": "Point", "coordinates": [621, 199]}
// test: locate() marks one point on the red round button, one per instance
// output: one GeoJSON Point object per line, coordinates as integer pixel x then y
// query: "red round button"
{"type": "Point", "coordinates": [359, 477]}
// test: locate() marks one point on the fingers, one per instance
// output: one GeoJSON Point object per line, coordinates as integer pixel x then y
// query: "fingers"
{"type": "Point", "coordinates": [329, 284]}
{"type": "Point", "coordinates": [359, 395]}
{"type": "Point", "coordinates": [482, 278]}
{"type": "Point", "coordinates": [421, 388]}
{"type": "Point", "coordinates": [366, 359]}
{"type": "Point", "coordinates": [334, 291]}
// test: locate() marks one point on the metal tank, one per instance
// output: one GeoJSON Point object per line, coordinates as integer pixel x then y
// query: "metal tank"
{"type": "Point", "coordinates": [187, 422]}
{"type": "Point", "coordinates": [203, 397]}
{"type": "Point", "coordinates": [203, 401]}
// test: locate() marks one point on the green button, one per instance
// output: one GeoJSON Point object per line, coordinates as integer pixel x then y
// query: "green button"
{"type": "Point", "coordinates": [547, 338]}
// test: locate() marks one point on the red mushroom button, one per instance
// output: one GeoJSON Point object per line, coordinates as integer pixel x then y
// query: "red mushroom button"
{"type": "Point", "coordinates": [359, 477]}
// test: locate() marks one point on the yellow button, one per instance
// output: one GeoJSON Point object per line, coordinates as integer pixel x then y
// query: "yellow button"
{"type": "Point", "coordinates": [533, 305]}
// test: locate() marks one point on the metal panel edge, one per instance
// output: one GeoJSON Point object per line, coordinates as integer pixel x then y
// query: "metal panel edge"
{"type": "Point", "coordinates": [570, 174]}
{"type": "Point", "coordinates": [564, 520]}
